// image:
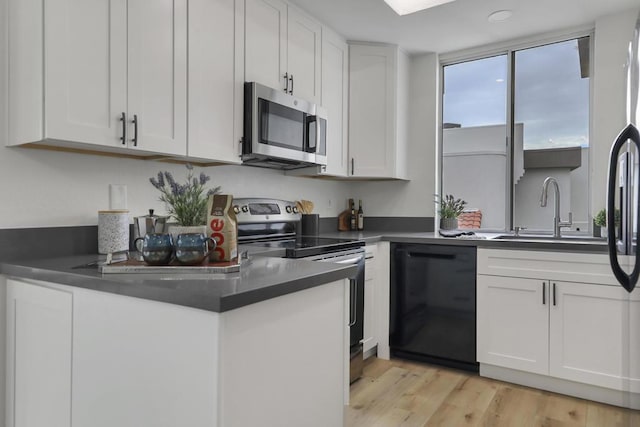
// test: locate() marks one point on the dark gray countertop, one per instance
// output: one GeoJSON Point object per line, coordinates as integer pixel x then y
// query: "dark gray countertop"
{"type": "Point", "coordinates": [370, 237]}
{"type": "Point", "coordinates": [267, 276]}
{"type": "Point", "coordinates": [260, 279]}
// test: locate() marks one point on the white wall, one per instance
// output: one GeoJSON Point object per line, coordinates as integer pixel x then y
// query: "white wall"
{"type": "Point", "coordinates": [44, 188]}
{"type": "Point", "coordinates": [413, 198]}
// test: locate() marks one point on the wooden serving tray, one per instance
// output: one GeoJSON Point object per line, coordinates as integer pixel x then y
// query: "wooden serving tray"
{"type": "Point", "coordinates": [135, 266]}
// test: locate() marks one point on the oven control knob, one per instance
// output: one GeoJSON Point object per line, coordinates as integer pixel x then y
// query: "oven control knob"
{"type": "Point", "coordinates": [245, 208]}
{"type": "Point", "coordinates": [288, 209]}
{"type": "Point", "coordinates": [236, 209]}
{"type": "Point", "coordinates": [295, 209]}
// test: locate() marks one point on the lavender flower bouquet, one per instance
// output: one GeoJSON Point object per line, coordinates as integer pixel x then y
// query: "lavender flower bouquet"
{"type": "Point", "coordinates": [186, 203]}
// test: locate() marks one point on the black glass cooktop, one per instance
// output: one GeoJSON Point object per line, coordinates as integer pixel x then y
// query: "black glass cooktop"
{"type": "Point", "coordinates": [305, 246]}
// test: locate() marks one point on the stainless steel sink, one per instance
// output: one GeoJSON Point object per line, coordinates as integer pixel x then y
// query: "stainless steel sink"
{"type": "Point", "coordinates": [550, 238]}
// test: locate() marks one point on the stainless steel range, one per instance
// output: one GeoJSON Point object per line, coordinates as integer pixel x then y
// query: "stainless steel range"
{"type": "Point", "coordinates": [276, 224]}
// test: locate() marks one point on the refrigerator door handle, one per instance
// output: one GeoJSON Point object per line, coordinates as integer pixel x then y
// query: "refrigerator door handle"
{"type": "Point", "coordinates": [628, 281]}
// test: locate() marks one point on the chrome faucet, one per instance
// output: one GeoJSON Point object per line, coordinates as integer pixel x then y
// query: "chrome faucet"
{"type": "Point", "coordinates": [557, 222]}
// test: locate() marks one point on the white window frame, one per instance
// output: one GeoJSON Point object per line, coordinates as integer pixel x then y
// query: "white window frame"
{"type": "Point", "coordinates": [509, 48]}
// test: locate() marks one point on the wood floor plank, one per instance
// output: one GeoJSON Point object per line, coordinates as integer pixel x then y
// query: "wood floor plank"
{"type": "Point", "coordinates": [512, 407]}
{"type": "Point", "coordinates": [568, 411]}
{"type": "Point", "coordinates": [399, 393]}
{"type": "Point", "coordinates": [466, 404]}
{"type": "Point", "coordinates": [398, 417]}
{"type": "Point", "coordinates": [425, 400]}
{"type": "Point", "coordinates": [374, 402]}
{"type": "Point", "coordinates": [604, 415]}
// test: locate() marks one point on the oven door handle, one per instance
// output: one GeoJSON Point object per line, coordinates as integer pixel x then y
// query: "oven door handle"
{"type": "Point", "coordinates": [353, 315]}
{"type": "Point", "coordinates": [354, 260]}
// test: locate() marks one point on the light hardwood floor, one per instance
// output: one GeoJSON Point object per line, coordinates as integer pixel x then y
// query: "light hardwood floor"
{"type": "Point", "coordinates": [402, 393]}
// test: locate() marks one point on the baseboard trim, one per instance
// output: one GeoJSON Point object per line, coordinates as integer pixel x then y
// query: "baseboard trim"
{"type": "Point", "coordinates": [584, 391]}
{"type": "Point", "coordinates": [373, 351]}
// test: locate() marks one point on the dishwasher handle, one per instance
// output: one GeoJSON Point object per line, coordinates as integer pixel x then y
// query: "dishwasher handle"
{"type": "Point", "coordinates": [430, 255]}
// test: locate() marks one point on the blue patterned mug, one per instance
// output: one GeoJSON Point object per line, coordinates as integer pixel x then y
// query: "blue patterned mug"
{"type": "Point", "coordinates": [193, 248]}
{"type": "Point", "coordinates": [156, 248]}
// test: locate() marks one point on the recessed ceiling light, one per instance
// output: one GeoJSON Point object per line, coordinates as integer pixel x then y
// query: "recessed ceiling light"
{"type": "Point", "coordinates": [500, 15]}
{"type": "Point", "coordinates": [405, 7]}
{"type": "Point", "coordinates": [499, 80]}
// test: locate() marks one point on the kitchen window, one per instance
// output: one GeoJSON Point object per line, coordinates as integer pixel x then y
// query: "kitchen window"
{"type": "Point", "coordinates": [511, 119]}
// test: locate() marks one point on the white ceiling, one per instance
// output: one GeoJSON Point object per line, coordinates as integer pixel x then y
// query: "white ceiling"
{"type": "Point", "coordinates": [458, 25]}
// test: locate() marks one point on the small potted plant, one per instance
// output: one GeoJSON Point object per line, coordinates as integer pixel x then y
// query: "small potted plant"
{"type": "Point", "coordinates": [186, 203]}
{"type": "Point", "coordinates": [601, 221]}
{"type": "Point", "coordinates": [450, 209]}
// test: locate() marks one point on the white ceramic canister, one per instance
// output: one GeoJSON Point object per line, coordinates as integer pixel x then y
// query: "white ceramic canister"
{"type": "Point", "coordinates": [113, 231]}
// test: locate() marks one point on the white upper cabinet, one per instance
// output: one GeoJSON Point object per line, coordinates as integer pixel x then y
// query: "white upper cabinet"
{"type": "Point", "coordinates": [335, 99]}
{"type": "Point", "coordinates": [216, 77]}
{"type": "Point", "coordinates": [282, 48]}
{"type": "Point", "coordinates": [266, 42]}
{"type": "Point", "coordinates": [378, 93]}
{"type": "Point", "coordinates": [157, 84]}
{"type": "Point", "coordinates": [115, 73]}
{"type": "Point", "coordinates": [304, 40]}
{"type": "Point", "coordinates": [86, 70]}
{"type": "Point", "coordinates": [128, 76]}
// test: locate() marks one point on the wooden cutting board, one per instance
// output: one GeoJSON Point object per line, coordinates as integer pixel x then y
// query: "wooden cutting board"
{"type": "Point", "coordinates": [344, 221]}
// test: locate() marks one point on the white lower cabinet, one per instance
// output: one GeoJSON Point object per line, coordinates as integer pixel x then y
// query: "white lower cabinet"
{"type": "Point", "coordinates": [513, 323]}
{"type": "Point", "coordinates": [370, 336]}
{"type": "Point", "coordinates": [376, 301]}
{"type": "Point", "coordinates": [583, 332]}
{"type": "Point", "coordinates": [593, 335]}
{"type": "Point", "coordinates": [39, 334]}
{"type": "Point", "coordinates": [87, 358]}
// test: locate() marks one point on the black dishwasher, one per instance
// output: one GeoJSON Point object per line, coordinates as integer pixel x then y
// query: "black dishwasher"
{"type": "Point", "coordinates": [433, 304]}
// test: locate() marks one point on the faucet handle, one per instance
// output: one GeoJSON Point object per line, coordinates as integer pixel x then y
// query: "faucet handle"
{"type": "Point", "coordinates": [517, 230]}
{"type": "Point", "coordinates": [567, 223]}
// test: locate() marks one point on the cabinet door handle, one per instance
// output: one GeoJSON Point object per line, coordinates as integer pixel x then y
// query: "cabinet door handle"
{"type": "Point", "coordinates": [286, 82]}
{"type": "Point", "coordinates": [291, 80]}
{"type": "Point", "coordinates": [544, 293]}
{"type": "Point", "coordinates": [554, 294]}
{"type": "Point", "coordinates": [352, 166]}
{"type": "Point", "coordinates": [123, 119]}
{"type": "Point", "coordinates": [135, 130]}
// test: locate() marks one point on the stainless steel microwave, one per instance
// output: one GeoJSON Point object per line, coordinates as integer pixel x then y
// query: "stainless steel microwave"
{"type": "Point", "coordinates": [281, 131]}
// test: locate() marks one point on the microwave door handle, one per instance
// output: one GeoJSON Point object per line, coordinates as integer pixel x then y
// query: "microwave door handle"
{"type": "Point", "coordinates": [628, 281]}
{"type": "Point", "coordinates": [312, 144]}
{"type": "Point", "coordinates": [319, 136]}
